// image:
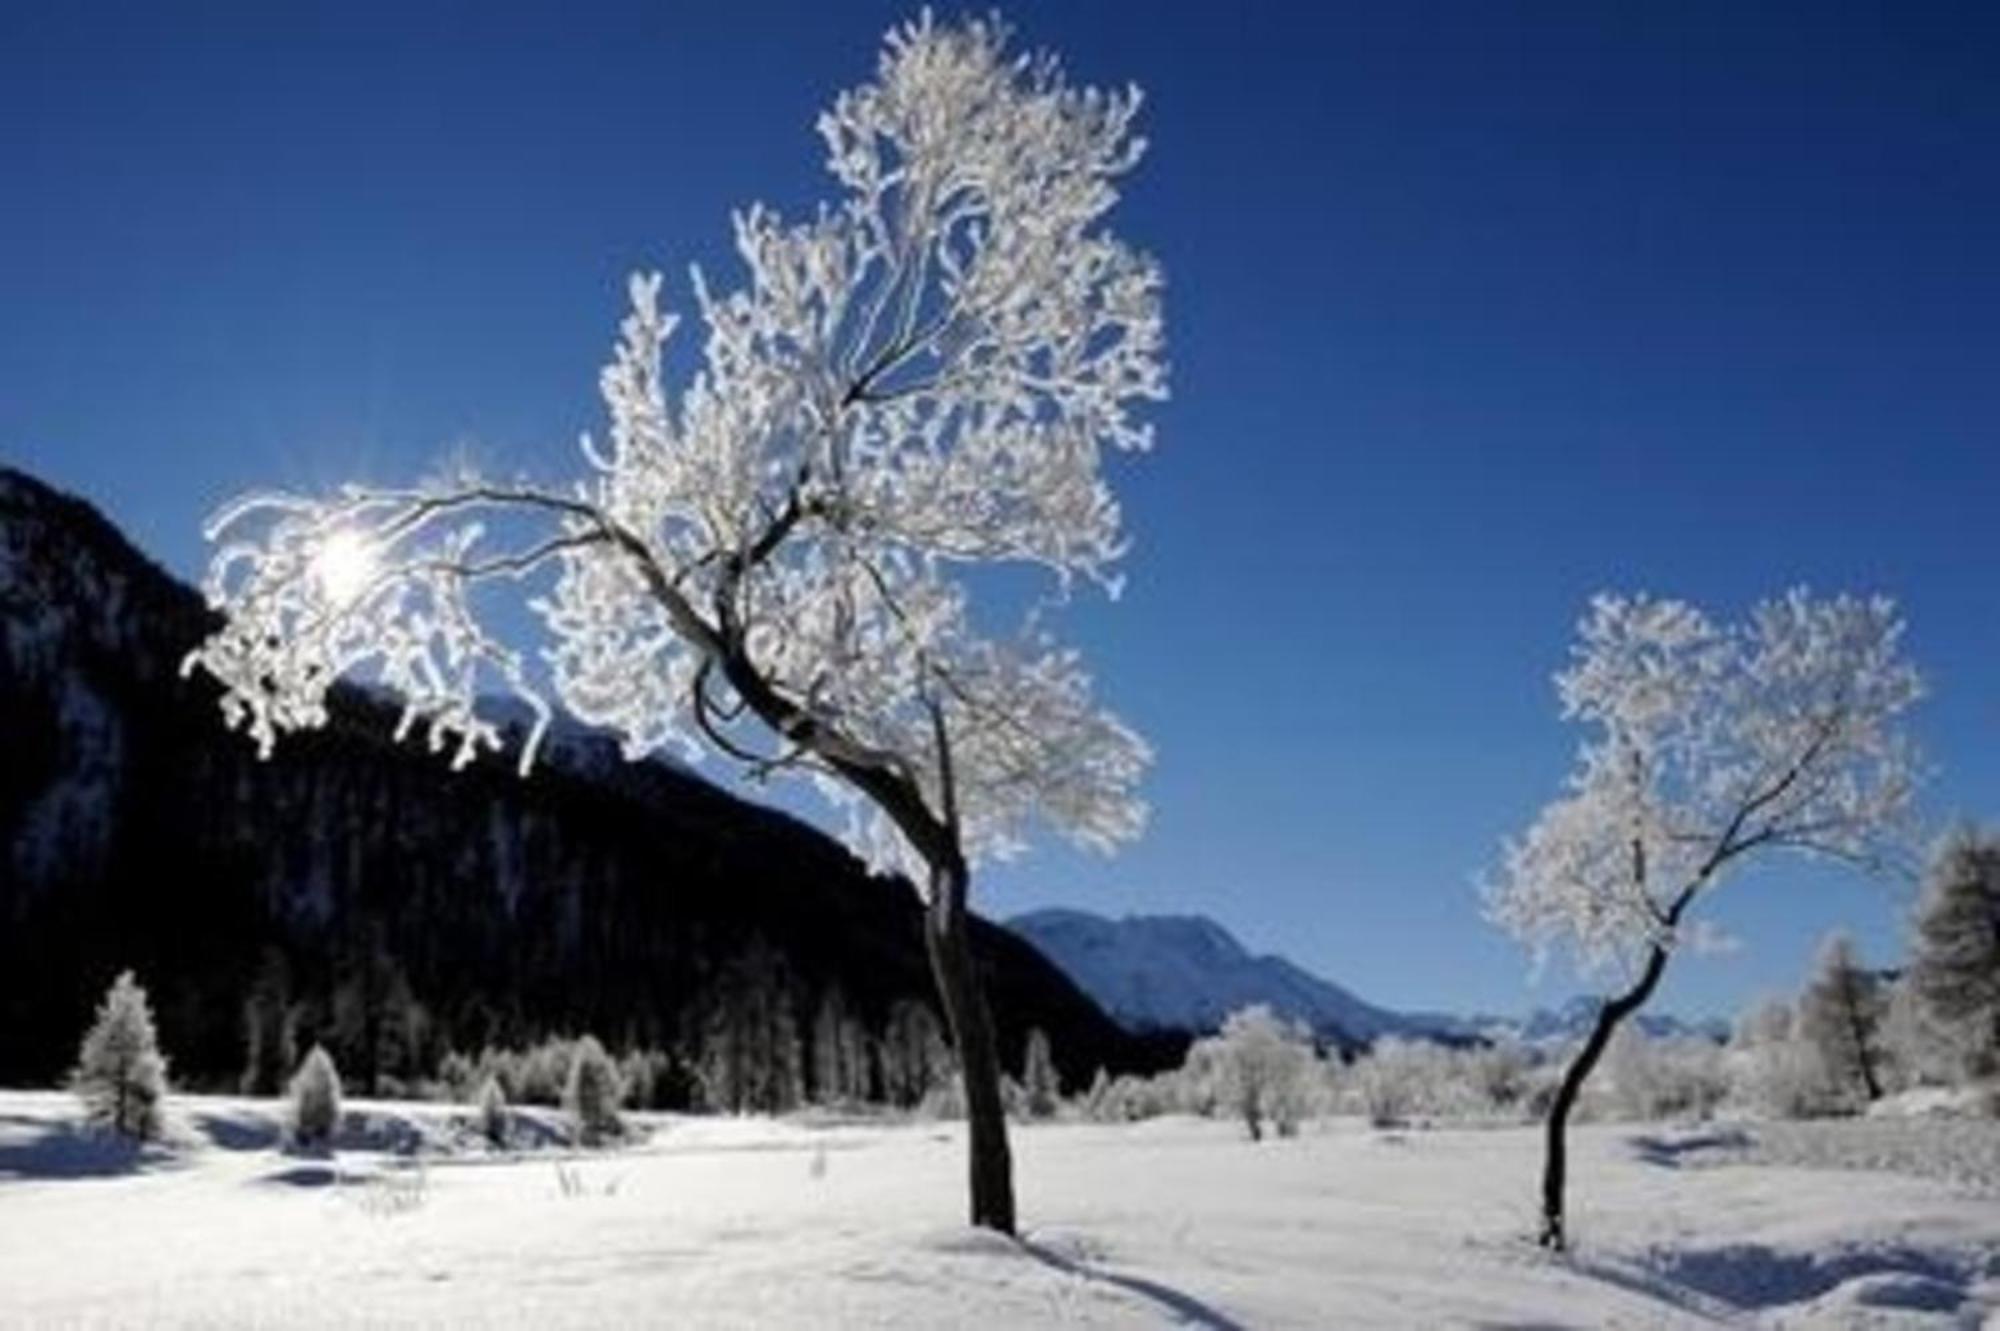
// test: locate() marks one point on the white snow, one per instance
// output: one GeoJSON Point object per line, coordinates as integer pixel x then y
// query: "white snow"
{"type": "Point", "coordinates": [745, 1222]}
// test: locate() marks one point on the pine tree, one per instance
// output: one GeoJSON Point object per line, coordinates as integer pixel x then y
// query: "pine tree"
{"type": "Point", "coordinates": [269, 1035]}
{"type": "Point", "coordinates": [492, 1102]}
{"type": "Point", "coordinates": [591, 1096]}
{"type": "Point", "coordinates": [1840, 1015]}
{"type": "Point", "coordinates": [915, 1058]}
{"type": "Point", "coordinates": [1097, 1098]}
{"type": "Point", "coordinates": [315, 1096]}
{"type": "Point", "coordinates": [120, 1074]}
{"type": "Point", "coordinates": [840, 1052]}
{"type": "Point", "coordinates": [1038, 1077]}
{"type": "Point", "coordinates": [1955, 961]}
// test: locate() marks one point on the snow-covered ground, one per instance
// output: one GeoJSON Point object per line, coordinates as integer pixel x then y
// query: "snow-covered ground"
{"type": "Point", "coordinates": [720, 1222]}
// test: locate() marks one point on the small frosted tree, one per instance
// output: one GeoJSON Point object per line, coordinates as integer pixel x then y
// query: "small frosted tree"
{"type": "Point", "coordinates": [1041, 1091]}
{"type": "Point", "coordinates": [1955, 957]}
{"type": "Point", "coordinates": [1710, 748]}
{"type": "Point", "coordinates": [1771, 1067]}
{"type": "Point", "coordinates": [315, 1101]}
{"type": "Point", "coordinates": [120, 1074]}
{"type": "Point", "coordinates": [921, 379]}
{"type": "Point", "coordinates": [1265, 1069]}
{"type": "Point", "coordinates": [269, 1022]}
{"type": "Point", "coordinates": [1840, 1015]}
{"type": "Point", "coordinates": [591, 1096]}
{"type": "Point", "coordinates": [492, 1104]}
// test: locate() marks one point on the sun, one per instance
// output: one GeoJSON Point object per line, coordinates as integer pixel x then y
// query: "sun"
{"type": "Point", "coordinates": [344, 565]}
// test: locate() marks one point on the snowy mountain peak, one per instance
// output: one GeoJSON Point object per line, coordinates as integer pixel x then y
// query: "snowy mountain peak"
{"type": "Point", "coordinates": [1186, 972]}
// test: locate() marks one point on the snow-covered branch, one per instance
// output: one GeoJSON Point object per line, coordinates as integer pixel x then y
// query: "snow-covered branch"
{"type": "Point", "coordinates": [925, 374]}
{"type": "Point", "coordinates": [1707, 745]}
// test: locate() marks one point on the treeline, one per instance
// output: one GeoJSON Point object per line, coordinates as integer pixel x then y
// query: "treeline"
{"type": "Point", "coordinates": [758, 1040]}
{"type": "Point", "coordinates": [1851, 1036]}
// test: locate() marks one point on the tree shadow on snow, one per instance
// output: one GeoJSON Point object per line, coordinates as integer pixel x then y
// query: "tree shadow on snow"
{"type": "Point", "coordinates": [73, 1150]}
{"type": "Point", "coordinates": [1668, 1152]}
{"type": "Point", "coordinates": [1183, 1307]}
{"type": "Point", "coordinates": [233, 1132]}
{"type": "Point", "coordinates": [1724, 1282]}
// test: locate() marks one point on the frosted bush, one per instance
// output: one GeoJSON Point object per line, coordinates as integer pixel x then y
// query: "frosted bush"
{"type": "Point", "coordinates": [591, 1096]}
{"type": "Point", "coordinates": [315, 1101]}
{"type": "Point", "coordinates": [492, 1103]}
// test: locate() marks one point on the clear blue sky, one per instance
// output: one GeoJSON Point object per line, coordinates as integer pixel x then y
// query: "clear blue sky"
{"type": "Point", "coordinates": [1475, 309]}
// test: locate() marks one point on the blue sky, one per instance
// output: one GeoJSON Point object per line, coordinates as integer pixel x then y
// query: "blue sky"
{"type": "Point", "coordinates": [1474, 308]}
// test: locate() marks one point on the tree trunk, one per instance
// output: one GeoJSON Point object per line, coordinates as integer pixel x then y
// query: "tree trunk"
{"type": "Point", "coordinates": [1863, 1059]}
{"type": "Point", "coordinates": [948, 938]}
{"type": "Point", "coordinates": [1555, 1161]}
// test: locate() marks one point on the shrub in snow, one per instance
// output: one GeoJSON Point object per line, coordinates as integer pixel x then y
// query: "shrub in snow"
{"type": "Point", "coordinates": [1955, 958]}
{"type": "Point", "coordinates": [1840, 1015]}
{"type": "Point", "coordinates": [1652, 1079]}
{"type": "Point", "coordinates": [315, 1101]}
{"type": "Point", "coordinates": [1498, 1078]}
{"type": "Point", "coordinates": [1398, 1079]}
{"type": "Point", "coordinates": [1265, 1068]}
{"type": "Point", "coordinates": [591, 1097]}
{"type": "Point", "coordinates": [542, 1074]}
{"type": "Point", "coordinates": [492, 1103]}
{"type": "Point", "coordinates": [120, 1074]}
{"type": "Point", "coordinates": [1038, 1077]}
{"type": "Point", "coordinates": [1772, 1070]}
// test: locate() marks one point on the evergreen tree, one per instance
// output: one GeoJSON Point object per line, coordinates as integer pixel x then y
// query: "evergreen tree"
{"type": "Point", "coordinates": [315, 1096]}
{"type": "Point", "coordinates": [751, 1055]}
{"type": "Point", "coordinates": [120, 1074]}
{"type": "Point", "coordinates": [592, 1094]}
{"type": "Point", "coordinates": [492, 1102]}
{"type": "Point", "coordinates": [840, 1052]}
{"type": "Point", "coordinates": [1040, 1087]}
{"type": "Point", "coordinates": [915, 1057]}
{"type": "Point", "coordinates": [1840, 1015]}
{"type": "Point", "coordinates": [1955, 960]}
{"type": "Point", "coordinates": [269, 1026]}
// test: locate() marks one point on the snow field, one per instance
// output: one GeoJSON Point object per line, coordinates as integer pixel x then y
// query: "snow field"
{"type": "Point", "coordinates": [712, 1222]}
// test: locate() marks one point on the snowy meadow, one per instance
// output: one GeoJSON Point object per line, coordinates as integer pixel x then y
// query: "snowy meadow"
{"type": "Point", "coordinates": [740, 1222]}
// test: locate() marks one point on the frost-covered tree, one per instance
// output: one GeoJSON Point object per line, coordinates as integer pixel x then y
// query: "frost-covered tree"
{"type": "Point", "coordinates": [770, 564]}
{"type": "Point", "coordinates": [591, 1096]}
{"type": "Point", "coordinates": [120, 1074]}
{"type": "Point", "coordinates": [840, 1052]}
{"type": "Point", "coordinates": [1771, 1068]}
{"type": "Point", "coordinates": [1041, 1091]}
{"type": "Point", "coordinates": [1840, 1015]}
{"type": "Point", "coordinates": [492, 1104]}
{"type": "Point", "coordinates": [269, 1027]}
{"type": "Point", "coordinates": [915, 1057]}
{"type": "Point", "coordinates": [1710, 747]}
{"type": "Point", "coordinates": [1955, 957]}
{"type": "Point", "coordinates": [1664, 1078]}
{"type": "Point", "coordinates": [1264, 1067]}
{"type": "Point", "coordinates": [315, 1097]}
{"type": "Point", "coordinates": [751, 1055]}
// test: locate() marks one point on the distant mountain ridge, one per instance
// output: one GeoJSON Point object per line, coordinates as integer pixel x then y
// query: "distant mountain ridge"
{"type": "Point", "coordinates": [1186, 973]}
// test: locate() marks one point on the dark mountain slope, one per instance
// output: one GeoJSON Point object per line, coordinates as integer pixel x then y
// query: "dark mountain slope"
{"type": "Point", "coordinates": [136, 831]}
